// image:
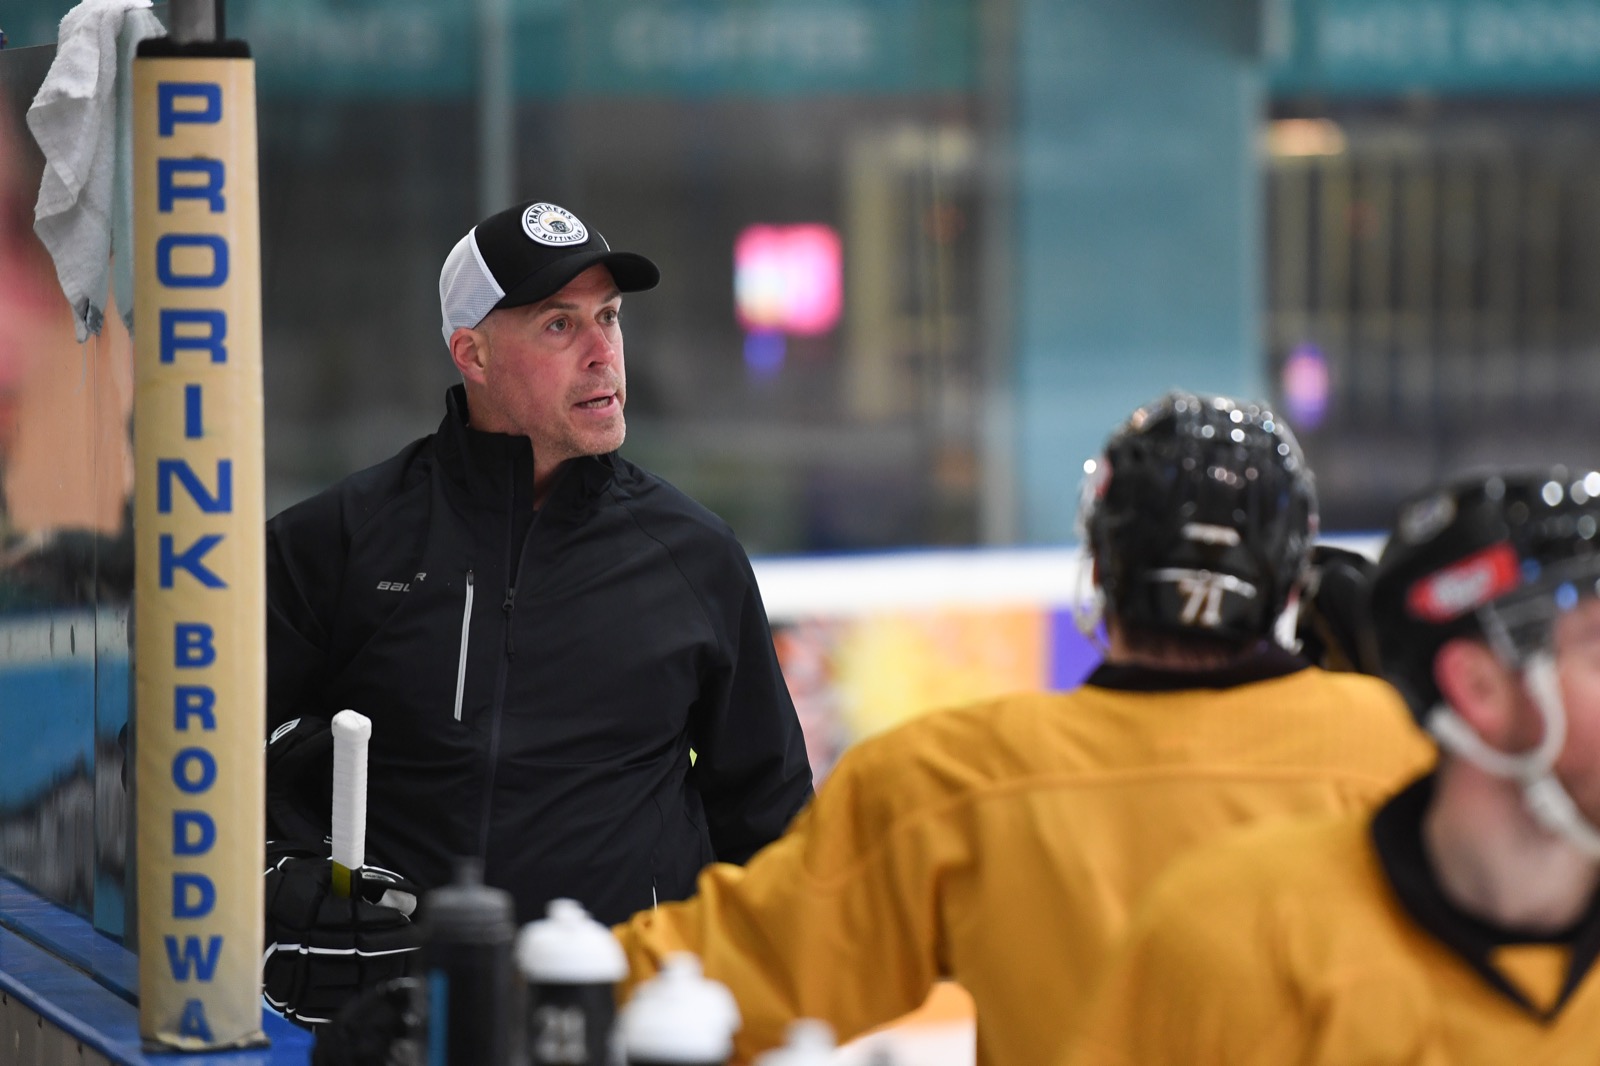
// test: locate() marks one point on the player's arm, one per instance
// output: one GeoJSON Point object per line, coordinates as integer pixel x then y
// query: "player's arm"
{"type": "Point", "coordinates": [751, 767]}
{"type": "Point", "coordinates": [838, 920]}
{"type": "Point", "coordinates": [305, 552]}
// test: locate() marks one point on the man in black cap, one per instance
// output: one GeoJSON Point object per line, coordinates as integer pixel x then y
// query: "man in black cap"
{"type": "Point", "coordinates": [540, 631]}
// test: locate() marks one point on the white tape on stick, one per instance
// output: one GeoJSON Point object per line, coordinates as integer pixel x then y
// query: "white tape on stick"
{"type": "Point", "coordinates": [351, 734]}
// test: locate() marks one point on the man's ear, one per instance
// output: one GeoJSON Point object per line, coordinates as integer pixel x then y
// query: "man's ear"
{"type": "Point", "coordinates": [1483, 691]}
{"type": "Point", "coordinates": [469, 351]}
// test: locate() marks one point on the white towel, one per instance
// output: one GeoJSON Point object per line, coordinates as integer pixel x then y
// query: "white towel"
{"type": "Point", "coordinates": [82, 119]}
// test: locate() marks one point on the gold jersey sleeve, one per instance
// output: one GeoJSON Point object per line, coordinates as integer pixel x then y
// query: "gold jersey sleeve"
{"type": "Point", "coordinates": [1003, 845]}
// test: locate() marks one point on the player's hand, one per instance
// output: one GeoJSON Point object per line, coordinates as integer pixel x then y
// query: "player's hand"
{"type": "Point", "coordinates": [383, 1026]}
{"type": "Point", "coordinates": [1333, 628]}
{"type": "Point", "coordinates": [321, 949]}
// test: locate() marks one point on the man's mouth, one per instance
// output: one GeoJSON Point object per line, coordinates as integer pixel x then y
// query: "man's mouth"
{"type": "Point", "coordinates": [598, 402]}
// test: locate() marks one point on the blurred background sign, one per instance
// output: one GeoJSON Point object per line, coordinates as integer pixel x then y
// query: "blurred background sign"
{"type": "Point", "coordinates": [1450, 46]}
{"type": "Point", "coordinates": [614, 47]}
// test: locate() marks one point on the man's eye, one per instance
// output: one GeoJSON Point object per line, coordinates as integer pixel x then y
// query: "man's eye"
{"type": "Point", "coordinates": [558, 325]}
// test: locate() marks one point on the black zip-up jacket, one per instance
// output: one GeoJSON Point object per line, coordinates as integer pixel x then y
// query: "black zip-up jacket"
{"type": "Point", "coordinates": [536, 680]}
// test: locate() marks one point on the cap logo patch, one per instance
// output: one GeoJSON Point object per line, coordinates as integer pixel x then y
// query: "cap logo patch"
{"type": "Point", "coordinates": [1465, 585]}
{"type": "Point", "coordinates": [552, 225]}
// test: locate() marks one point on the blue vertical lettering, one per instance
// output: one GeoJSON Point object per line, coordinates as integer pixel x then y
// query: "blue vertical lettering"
{"type": "Point", "coordinates": [193, 1023]}
{"type": "Point", "coordinates": [220, 503]}
{"type": "Point", "coordinates": [191, 407]}
{"type": "Point", "coordinates": [194, 759]}
{"type": "Point", "coordinates": [173, 560]}
{"type": "Point", "coordinates": [168, 191]}
{"type": "Point", "coordinates": [189, 701]}
{"type": "Point", "coordinates": [193, 645]}
{"type": "Point", "coordinates": [215, 323]}
{"type": "Point", "coordinates": [190, 957]}
{"type": "Point", "coordinates": [193, 895]}
{"type": "Point", "coordinates": [168, 114]}
{"type": "Point", "coordinates": [193, 832]}
{"type": "Point", "coordinates": [168, 276]}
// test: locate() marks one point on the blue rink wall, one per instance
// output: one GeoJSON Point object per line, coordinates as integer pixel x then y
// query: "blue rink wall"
{"type": "Point", "coordinates": [69, 995]}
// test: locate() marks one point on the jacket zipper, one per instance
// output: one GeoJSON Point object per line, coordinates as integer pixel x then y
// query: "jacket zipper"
{"type": "Point", "coordinates": [511, 598]}
{"type": "Point", "coordinates": [498, 708]}
{"type": "Point", "coordinates": [466, 629]}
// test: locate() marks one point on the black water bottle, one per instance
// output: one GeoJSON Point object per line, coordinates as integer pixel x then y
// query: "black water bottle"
{"type": "Point", "coordinates": [678, 1018]}
{"type": "Point", "coordinates": [474, 991]}
{"type": "Point", "coordinates": [571, 965]}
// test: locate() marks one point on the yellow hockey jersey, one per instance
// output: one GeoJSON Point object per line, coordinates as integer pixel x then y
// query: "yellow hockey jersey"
{"type": "Point", "coordinates": [1002, 844]}
{"type": "Point", "coordinates": [1330, 942]}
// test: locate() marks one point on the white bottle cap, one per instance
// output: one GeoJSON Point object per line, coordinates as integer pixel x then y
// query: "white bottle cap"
{"type": "Point", "coordinates": [809, 1043]}
{"type": "Point", "coordinates": [679, 1016]}
{"type": "Point", "coordinates": [569, 947]}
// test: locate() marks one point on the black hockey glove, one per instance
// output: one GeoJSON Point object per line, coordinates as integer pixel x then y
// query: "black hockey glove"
{"type": "Point", "coordinates": [1333, 629]}
{"type": "Point", "coordinates": [384, 1026]}
{"type": "Point", "coordinates": [323, 950]}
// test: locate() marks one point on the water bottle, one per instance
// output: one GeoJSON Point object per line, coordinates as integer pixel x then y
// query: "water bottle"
{"type": "Point", "coordinates": [678, 1018]}
{"type": "Point", "coordinates": [808, 1042]}
{"type": "Point", "coordinates": [474, 990]}
{"type": "Point", "coordinates": [571, 965]}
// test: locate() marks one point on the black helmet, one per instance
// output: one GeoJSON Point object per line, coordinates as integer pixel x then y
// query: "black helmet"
{"type": "Point", "coordinates": [1200, 516]}
{"type": "Point", "coordinates": [1524, 544]}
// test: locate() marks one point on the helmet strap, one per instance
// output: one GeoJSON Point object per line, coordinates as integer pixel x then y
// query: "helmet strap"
{"type": "Point", "coordinates": [1546, 799]}
{"type": "Point", "coordinates": [1089, 602]}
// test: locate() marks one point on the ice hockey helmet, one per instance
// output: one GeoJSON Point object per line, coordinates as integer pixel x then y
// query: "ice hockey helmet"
{"type": "Point", "coordinates": [1199, 516]}
{"type": "Point", "coordinates": [1503, 550]}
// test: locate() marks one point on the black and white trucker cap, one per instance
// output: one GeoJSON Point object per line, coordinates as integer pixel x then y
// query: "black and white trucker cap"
{"type": "Point", "coordinates": [522, 255]}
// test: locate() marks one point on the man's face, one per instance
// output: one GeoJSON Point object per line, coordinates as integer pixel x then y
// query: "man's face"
{"type": "Point", "coordinates": [554, 371]}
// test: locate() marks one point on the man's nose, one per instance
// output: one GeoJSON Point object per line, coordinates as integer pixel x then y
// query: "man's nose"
{"type": "Point", "coordinates": [602, 345]}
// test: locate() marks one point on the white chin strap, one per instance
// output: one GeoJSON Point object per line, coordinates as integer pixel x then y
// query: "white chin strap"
{"type": "Point", "coordinates": [1089, 602]}
{"type": "Point", "coordinates": [1549, 803]}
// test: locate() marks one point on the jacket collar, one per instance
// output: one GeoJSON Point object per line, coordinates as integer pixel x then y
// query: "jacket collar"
{"type": "Point", "coordinates": [496, 469]}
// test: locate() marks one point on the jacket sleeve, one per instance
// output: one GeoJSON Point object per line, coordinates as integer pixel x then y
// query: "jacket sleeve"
{"type": "Point", "coordinates": [305, 568]}
{"type": "Point", "coordinates": [750, 765]}
{"type": "Point", "coordinates": [838, 920]}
